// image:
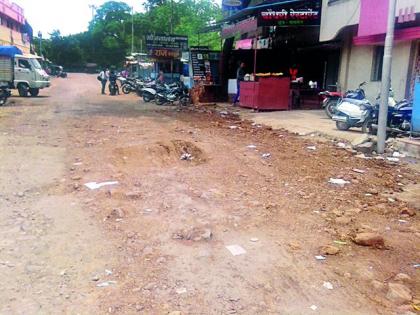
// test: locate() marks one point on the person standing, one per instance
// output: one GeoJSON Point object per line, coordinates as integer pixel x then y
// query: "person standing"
{"type": "Point", "coordinates": [240, 75]}
{"type": "Point", "coordinates": [104, 75]}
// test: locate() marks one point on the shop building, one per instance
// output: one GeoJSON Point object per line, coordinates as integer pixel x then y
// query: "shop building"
{"type": "Point", "coordinates": [279, 41]}
{"type": "Point", "coordinates": [360, 27]}
{"type": "Point", "coordinates": [14, 29]}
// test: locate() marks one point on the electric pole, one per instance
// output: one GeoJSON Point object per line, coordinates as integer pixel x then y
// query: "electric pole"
{"type": "Point", "coordinates": [93, 8]}
{"type": "Point", "coordinates": [132, 30]}
{"type": "Point", "coordinates": [386, 78]}
{"type": "Point", "coordinates": [40, 43]}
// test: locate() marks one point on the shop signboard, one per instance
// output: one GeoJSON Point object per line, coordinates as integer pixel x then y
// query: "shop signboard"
{"type": "Point", "coordinates": [242, 27]}
{"type": "Point", "coordinates": [167, 42]}
{"type": "Point", "coordinates": [290, 17]}
{"type": "Point", "coordinates": [164, 53]}
{"type": "Point", "coordinates": [204, 64]}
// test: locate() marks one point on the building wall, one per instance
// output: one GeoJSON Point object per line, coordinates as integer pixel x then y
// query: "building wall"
{"type": "Point", "coordinates": [14, 38]}
{"type": "Point", "coordinates": [336, 15]}
{"type": "Point", "coordinates": [12, 20]}
{"type": "Point", "coordinates": [356, 67]}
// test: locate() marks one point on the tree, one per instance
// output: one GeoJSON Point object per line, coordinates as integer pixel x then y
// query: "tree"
{"type": "Point", "coordinates": [108, 38]}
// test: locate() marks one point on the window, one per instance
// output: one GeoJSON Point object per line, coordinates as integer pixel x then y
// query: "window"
{"type": "Point", "coordinates": [378, 61]}
{"type": "Point", "coordinates": [24, 64]}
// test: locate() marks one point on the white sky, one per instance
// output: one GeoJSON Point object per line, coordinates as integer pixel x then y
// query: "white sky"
{"type": "Point", "coordinates": [69, 16]}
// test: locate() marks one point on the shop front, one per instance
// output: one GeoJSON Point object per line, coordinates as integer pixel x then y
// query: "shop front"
{"type": "Point", "coordinates": [287, 67]}
{"type": "Point", "coordinates": [165, 51]}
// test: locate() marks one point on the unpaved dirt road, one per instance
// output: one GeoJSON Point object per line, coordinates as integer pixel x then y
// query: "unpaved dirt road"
{"type": "Point", "coordinates": [155, 243]}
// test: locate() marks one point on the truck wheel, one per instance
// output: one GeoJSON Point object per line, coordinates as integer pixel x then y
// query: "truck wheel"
{"type": "Point", "coordinates": [34, 92]}
{"type": "Point", "coordinates": [23, 90]}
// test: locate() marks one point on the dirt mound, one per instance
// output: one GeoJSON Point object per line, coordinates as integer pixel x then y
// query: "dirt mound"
{"type": "Point", "coordinates": [162, 153]}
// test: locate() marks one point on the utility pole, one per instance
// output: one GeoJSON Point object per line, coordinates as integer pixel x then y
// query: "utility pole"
{"type": "Point", "coordinates": [172, 31]}
{"type": "Point", "coordinates": [386, 77]}
{"type": "Point", "coordinates": [93, 8]}
{"type": "Point", "coordinates": [132, 30]}
{"type": "Point", "coordinates": [40, 43]}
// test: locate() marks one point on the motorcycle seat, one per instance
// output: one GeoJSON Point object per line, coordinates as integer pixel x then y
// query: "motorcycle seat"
{"type": "Point", "coordinates": [356, 102]}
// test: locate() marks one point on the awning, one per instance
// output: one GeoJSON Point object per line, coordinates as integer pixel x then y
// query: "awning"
{"type": "Point", "coordinates": [404, 34]}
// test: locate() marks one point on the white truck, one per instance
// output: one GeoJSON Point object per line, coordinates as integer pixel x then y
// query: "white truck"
{"type": "Point", "coordinates": [22, 72]}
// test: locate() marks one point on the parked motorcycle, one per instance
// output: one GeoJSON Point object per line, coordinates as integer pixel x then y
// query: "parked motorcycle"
{"type": "Point", "coordinates": [113, 86]}
{"type": "Point", "coordinates": [398, 119]}
{"type": "Point", "coordinates": [331, 99]}
{"type": "Point", "coordinates": [131, 85]}
{"type": "Point", "coordinates": [178, 93]}
{"type": "Point", "coordinates": [357, 113]}
{"type": "Point", "coordinates": [352, 113]}
{"type": "Point", "coordinates": [4, 95]}
{"type": "Point", "coordinates": [150, 90]}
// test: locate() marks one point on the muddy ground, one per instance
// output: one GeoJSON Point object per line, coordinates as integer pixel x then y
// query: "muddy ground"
{"type": "Point", "coordinates": [155, 243]}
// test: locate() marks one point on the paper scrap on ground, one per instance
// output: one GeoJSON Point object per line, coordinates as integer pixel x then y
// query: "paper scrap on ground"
{"type": "Point", "coordinates": [328, 285]}
{"type": "Point", "coordinates": [95, 185]}
{"type": "Point", "coordinates": [266, 155]}
{"type": "Point", "coordinates": [313, 148]}
{"type": "Point", "coordinates": [236, 250]}
{"type": "Point", "coordinates": [105, 284]}
{"type": "Point", "coordinates": [254, 239]}
{"type": "Point", "coordinates": [338, 181]}
{"type": "Point", "coordinates": [356, 170]}
{"type": "Point", "coordinates": [313, 307]}
{"type": "Point", "coordinates": [393, 159]}
{"type": "Point", "coordinates": [181, 290]}
{"type": "Point", "coordinates": [319, 257]}
{"type": "Point", "coordinates": [252, 146]}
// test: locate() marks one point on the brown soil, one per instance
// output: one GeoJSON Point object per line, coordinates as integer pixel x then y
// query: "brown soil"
{"type": "Point", "coordinates": [152, 229]}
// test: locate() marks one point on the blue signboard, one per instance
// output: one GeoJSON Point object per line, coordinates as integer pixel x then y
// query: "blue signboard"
{"type": "Point", "coordinates": [416, 106]}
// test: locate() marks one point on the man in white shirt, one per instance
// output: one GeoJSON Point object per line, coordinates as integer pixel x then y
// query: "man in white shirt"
{"type": "Point", "coordinates": [104, 76]}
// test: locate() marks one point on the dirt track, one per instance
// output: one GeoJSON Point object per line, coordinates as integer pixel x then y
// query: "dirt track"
{"type": "Point", "coordinates": [151, 232]}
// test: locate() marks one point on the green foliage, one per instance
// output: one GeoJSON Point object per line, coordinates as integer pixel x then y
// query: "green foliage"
{"type": "Point", "coordinates": [109, 37]}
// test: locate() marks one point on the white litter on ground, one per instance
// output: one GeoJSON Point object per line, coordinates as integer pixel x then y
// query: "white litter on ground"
{"type": "Point", "coordinates": [313, 148]}
{"type": "Point", "coordinates": [393, 159]}
{"type": "Point", "coordinates": [320, 257]}
{"type": "Point", "coordinates": [328, 285]}
{"type": "Point", "coordinates": [233, 127]}
{"type": "Point", "coordinates": [106, 284]}
{"type": "Point", "coordinates": [313, 307]}
{"type": "Point", "coordinates": [236, 250]}
{"type": "Point", "coordinates": [338, 181]}
{"type": "Point", "coordinates": [254, 239]}
{"type": "Point", "coordinates": [266, 155]}
{"type": "Point", "coordinates": [95, 185]}
{"type": "Point", "coordinates": [356, 170]}
{"type": "Point", "coordinates": [252, 146]}
{"type": "Point", "coordinates": [181, 290]}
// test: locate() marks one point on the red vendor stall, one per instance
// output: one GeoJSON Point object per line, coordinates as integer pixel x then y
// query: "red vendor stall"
{"type": "Point", "coordinates": [267, 93]}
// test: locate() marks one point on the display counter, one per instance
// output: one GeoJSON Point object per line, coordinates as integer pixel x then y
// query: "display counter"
{"type": "Point", "coordinates": [266, 93]}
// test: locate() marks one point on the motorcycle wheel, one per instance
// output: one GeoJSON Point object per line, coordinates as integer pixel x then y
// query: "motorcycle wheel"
{"type": "Point", "coordinates": [367, 127]}
{"type": "Point", "coordinates": [160, 100]}
{"type": "Point", "coordinates": [330, 108]}
{"type": "Point", "coordinates": [342, 125]}
{"type": "Point", "coordinates": [126, 89]}
{"type": "Point", "coordinates": [3, 101]}
{"type": "Point", "coordinates": [184, 101]}
{"type": "Point", "coordinates": [147, 97]}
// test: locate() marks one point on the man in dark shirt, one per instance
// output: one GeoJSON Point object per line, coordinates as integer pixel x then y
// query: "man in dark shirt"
{"type": "Point", "coordinates": [240, 75]}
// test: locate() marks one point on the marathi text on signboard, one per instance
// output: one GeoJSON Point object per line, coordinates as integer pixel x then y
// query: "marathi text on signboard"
{"type": "Point", "coordinates": [167, 42]}
{"type": "Point", "coordinates": [164, 53]}
{"type": "Point", "coordinates": [289, 17]}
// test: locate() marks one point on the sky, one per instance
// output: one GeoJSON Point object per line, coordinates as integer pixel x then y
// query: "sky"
{"type": "Point", "coordinates": [68, 16]}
